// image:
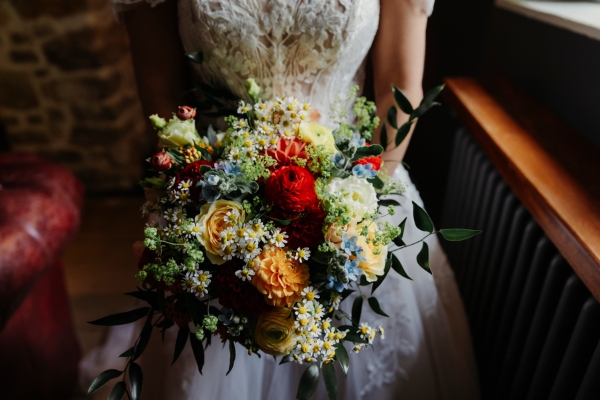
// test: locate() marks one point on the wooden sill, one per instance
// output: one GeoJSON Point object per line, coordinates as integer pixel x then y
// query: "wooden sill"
{"type": "Point", "coordinates": [553, 170]}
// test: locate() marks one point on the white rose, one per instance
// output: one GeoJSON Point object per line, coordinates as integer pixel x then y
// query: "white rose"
{"type": "Point", "coordinates": [357, 193]}
{"type": "Point", "coordinates": [178, 133]}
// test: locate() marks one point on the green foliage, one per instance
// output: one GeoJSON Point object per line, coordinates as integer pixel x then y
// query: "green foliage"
{"type": "Point", "coordinates": [374, 304]}
{"type": "Point", "coordinates": [102, 379]}
{"type": "Point", "coordinates": [123, 318]}
{"type": "Point", "coordinates": [422, 220]}
{"type": "Point", "coordinates": [330, 381]}
{"type": "Point", "coordinates": [457, 235]}
{"type": "Point", "coordinates": [397, 266]}
{"type": "Point", "coordinates": [308, 383]}
{"type": "Point", "coordinates": [423, 258]}
{"type": "Point", "coordinates": [180, 342]}
{"type": "Point", "coordinates": [198, 351]}
{"type": "Point", "coordinates": [231, 356]}
{"type": "Point", "coordinates": [357, 310]}
{"type": "Point", "coordinates": [136, 378]}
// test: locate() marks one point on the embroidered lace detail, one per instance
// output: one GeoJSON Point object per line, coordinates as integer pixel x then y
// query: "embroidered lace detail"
{"type": "Point", "coordinates": [311, 49]}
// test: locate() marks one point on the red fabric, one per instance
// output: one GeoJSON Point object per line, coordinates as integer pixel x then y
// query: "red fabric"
{"type": "Point", "coordinates": [40, 205]}
{"type": "Point", "coordinates": [38, 348]}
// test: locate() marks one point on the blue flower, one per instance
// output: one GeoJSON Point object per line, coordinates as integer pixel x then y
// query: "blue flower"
{"type": "Point", "coordinates": [213, 180]}
{"type": "Point", "coordinates": [335, 283]}
{"type": "Point", "coordinates": [210, 193]}
{"type": "Point", "coordinates": [353, 271]}
{"type": "Point", "coordinates": [226, 317]}
{"type": "Point", "coordinates": [364, 171]}
{"type": "Point", "coordinates": [357, 141]}
{"type": "Point", "coordinates": [338, 159]}
{"type": "Point", "coordinates": [229, 168]}
{"type": "Point", "coordinates": [350, 246]}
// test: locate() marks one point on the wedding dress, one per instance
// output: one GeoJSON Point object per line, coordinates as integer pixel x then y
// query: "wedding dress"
{"type": "Point", "coordinates": [314, 50]}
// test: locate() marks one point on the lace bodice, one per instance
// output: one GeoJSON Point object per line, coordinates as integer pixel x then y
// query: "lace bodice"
{"type": "Point", "coordinates": [312, 49]}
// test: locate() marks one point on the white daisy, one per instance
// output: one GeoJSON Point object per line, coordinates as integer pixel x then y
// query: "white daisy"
{"type": "Point", "coordinates": [243, 107]}
{"type": "Point", "coordinates": [245, 274]}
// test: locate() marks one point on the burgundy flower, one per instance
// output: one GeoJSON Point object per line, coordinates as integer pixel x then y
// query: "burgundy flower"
{"type": "Point", "coordinates": [240, 296]}
{"type": "Point", "coordinates": [186, 112]}
{"type": "Point", "coordinates": [160, 161]}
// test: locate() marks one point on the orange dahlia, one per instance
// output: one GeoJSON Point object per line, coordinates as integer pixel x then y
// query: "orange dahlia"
{"type": "Point", "coordinates": [279, 278]}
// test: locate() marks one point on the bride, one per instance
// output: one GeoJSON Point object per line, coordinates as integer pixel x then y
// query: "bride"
{"type": "Point", "coordinates": [315, 50]}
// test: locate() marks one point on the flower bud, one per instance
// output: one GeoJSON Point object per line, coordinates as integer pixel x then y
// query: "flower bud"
{"type": "Point", "coordinates": [157, 122]}
{"type": "Point", "coordinates": [252, 88]}
{"type": "Point", "coordinates": [161, 161]}
{"type": "Point", "coordinates": [186, 112]}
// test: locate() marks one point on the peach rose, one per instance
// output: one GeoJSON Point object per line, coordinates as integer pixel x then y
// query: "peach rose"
{"type": "Point", "coordinates": [212, 223]}
{"type": "Point", "coordinates": [279, 278]}
{"type": "Point", "coordinates": [274, 332]}
{"type": "Point", "coordinates": [375, 255]}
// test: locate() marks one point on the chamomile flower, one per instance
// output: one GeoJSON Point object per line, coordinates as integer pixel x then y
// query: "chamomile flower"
{"type": "Point", "coordinates": [302, 254]}
{"type": "Point", "coordinates": [181, 196]}
{"type": "Point", "coordinates": [358, 347]}
{"type": "Point", "coordinates": [185, 185]}
{"type": "Point", "coordinates": [278, 238]}
{"type": "Point", "coordinates": [228, 251]}
{"type": "Point", "coordinates": [234, 155]}
{"type": "Point", "coordinates": [310, 293]}
{"type": "Point", "coordinates": [262, 142]}
{"type": "Point", "coordinates": [303, 310]}
{"type": "Point", "coordinates": [249, 249]}
{"type": "Point", "coordinates": [245, 274]}
{"type": "Point", "coordinates": [381, 331]}
{"type": "Point", "coordinates": [201, 290]}
{"type": "Point", "coordinates": [232, 216]}
{"type": "Point", "coordinates": [241, 123]}
{"type": "Point", "coordinates": [227, 236]}
{"type": "Point", "coordinates": [315, 329]}
{"type": "Point", "coordinates": [189, 282]}
{"type": "Point", "coordinates": [243, 107]}
{"type": "Point", "coordinates": [366, 332]}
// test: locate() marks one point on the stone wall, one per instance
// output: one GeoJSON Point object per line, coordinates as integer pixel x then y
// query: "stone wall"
{"type": "Point", "coordinates": [67, 90]}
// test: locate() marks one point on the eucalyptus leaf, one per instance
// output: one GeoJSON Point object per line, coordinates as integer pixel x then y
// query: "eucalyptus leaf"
{"type": "Point", "coordinates": [357, 310]}
{"type": "Point", "coordinates": [423, 258]}
{"type": "Point", "coordinates": [341, 355]}
{"type": "Point", "coordinates": [392, 117]}
{"type": "Point", "coordinates": [374, 304]}
{"type": "Point", "coordinates": [123, 318]}
{"type": "Point", "coordinates": [367, 151]}
{"type": "Point", "coordinates": [144, 337]}
{"type": "Point", "coordinates": [102, 379]}
{"type": "Point", "coordinates": [456, 235]}
{"type": "Point", "coordinates": [383, 135]}
{"type": "Point", "coordinates": [403, 132]}
{"type": "Point", "coordinates": [308, 383]}
{"type": "Point", "coordinates": [402, 100]}
{"type": "Point", "coordinates": [117, 391]}
{"type": "Point", "coordinates": [196, 57]}
{"type": "Point", "coordinates": [149, 296]}
{"type": "Point", "coordinates": [330, 380]}
{"type": "Point", "coordinates": [128, 352]}
{"type": "Point", "coordinates": [422, 220]}
{"type": "Point", "coordinates": [231, 356]}
{"type": "Point", "coordinates": [397, 266]}
{"type": "Point", "coordinates": [180, 342]}
{"type": "Point", "coordinates": [198, 351]}
{"type": "Point", "coordinates": [136, 378]}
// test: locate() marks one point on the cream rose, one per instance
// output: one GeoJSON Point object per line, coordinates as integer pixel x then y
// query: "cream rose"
{"type": "Point", "coordinates": [375, 255]}
{"type": "Point", "coordinates": [274, 332]}
{"type": "Point", "coordinates": [317, 134]}
{"type": "Point", "coordinates": [212, 222]}
{"type": "Point", "coordinates": [357, 193]}
{"type": "Point", "coordinates": [177, 133]}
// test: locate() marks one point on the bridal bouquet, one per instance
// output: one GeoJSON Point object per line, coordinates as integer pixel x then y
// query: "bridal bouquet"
{"type": "Point", "coordinates": [256, 235]}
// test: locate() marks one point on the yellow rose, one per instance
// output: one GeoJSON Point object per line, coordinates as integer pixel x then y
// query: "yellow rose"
{"type": "Point", "coordinates": [212, 222]}
{"type": "Point", "coordinates": [274, 332]}
{"type": "Point", "coordinates": [375, 255]}
{"type": "Point", "coordinates": [317, 134]}
{"type": "Point", "coordinates": [177, 133]}
{"type": "Point", "coordinates": [279, 278]}
{"type": "Point", "coordinates": [335, 232]}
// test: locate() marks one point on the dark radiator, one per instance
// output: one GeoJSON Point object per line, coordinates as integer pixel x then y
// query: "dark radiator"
{"type": "Point", "coordinates": [535, 326]}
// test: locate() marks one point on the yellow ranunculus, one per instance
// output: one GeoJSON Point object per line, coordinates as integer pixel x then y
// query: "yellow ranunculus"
{"type": "Point", "coordinates": [177, 133]}
{"type": "Point", "coordinates": [317, 134]}
{"type": "Point", "coordinates": [375, 263]}
{"type": "Point", "coordinates": [274, 332]}
{"type": "Point", "coordinates": [212, 222]}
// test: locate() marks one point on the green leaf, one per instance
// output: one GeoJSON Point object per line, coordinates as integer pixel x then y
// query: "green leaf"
{"type": "Point", "coordinates": [195, 308]}
{"type": "Point", "coordinates": [149, 296]}
{"type": "Point", "coordinates": [354, 337]}
{"type": "Point", "coordinates": [423, 258]}
{"type": "Point", "coordinates": [456, 235]}
{"type": "Point", "coordinates": [180, 342]}
{"type": "Point", "coordinates": [330, 380]}
{"type": "Point", "coordinates": [205, 168]}
{"type": "Point", "coordinates": [136, 378]}
{"type": "Point", "coordinates": [397, 266]}
{"type": "Point", "coordinates": [402, 100]}
{"type": "Point", "coordinates": [388, 264]}
{"type": "Point", "coordinates": [422, 220]}
{"type": "Point", "coordinates": [392, 116]}
{"type": "Point", "coordinates": [422, 109]}
{"type": "Point", "coordinates": [388, 202]}
{"type": "Point", "coordinates": [128, 352]}
{"type": "Point", "coordinates": [123, 318]}
{"type": "Point", "coordinates": [117, 391]}
{"type": "Point", "coordinates": [102, 379]}
{"type": "Point", "coordinates": [283, 222]}
{"type": "Point", "coordinates": [144, 337]}
{"type": "Point", "coordinates": [364, 281]}
{"type": "Point", "coordinates": [367, 151]}
{"type": "Point", "coordinates": [357, 309]}
{"type": "Point", "coordinates": [231, 356]}
{"type": "Point", "coordinates": [196, 57]}
{"type": "Point", "coordinates": [308, 383]}
{"type": "Point", "coordinates": [398, 240]}
{"type": "Point", "coordinates": [198, 351]}
{"type": "Point", "coordinates": [286, 359]}
{"type": "Point", "coordinates": [383, 135]}
{"type": "Point", "coordinates": [374, 304]}
{"type": "Point", "coordinates": [205, 154]}
{"type": "Point", "coordinates": [376, 182]}
{"type": "Point", "coordinates": [341, 355]}
{"type": "Point", "coordinates": [432, 94]}
{"type": "Point", "coordinates": [403, 132]}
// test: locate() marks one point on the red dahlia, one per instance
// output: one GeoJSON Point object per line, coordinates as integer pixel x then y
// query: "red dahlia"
{"type": "Point", "coordinates": [376, 161]}
{"type": "Point", "coordinates": [191, 172]}
{"type": "Point", "coordinates": [291, 188]}
{"type": "Point", "coordinates": [286, 149]}
{"type": "Point", "coordinates": [306, 228]}
{"type": "Point", "coordinates": [240, 296]}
